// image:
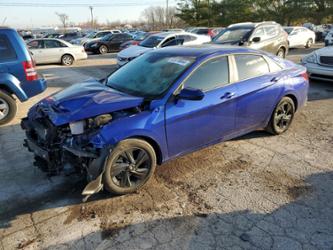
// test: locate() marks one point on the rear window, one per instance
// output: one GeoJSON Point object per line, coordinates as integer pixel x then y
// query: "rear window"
{"type": "Point", "coordinates": [7, 51]}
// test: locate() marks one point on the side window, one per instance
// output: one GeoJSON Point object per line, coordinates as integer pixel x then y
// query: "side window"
{"type": "Point", "coordinates": [7, 52]}
{"type": "Point", "coordinates": [35, 44]}
{"type": "Point", "coordinates": [210, 75]}
{"type": "Point", "coordinates": [271, 31]}
{"type": "Point", "coordinates": [249, 66]}
{"type": "Point", "coordinates": [101, 34]}
{"type": "Point", "coordinates": [169, 42]}
{"type": "Point", "coordinates": [50, 44]}
{"type": "Point", "coordinates": [273, 66]}
{"type": "Point", "coordinates": [259, 33]}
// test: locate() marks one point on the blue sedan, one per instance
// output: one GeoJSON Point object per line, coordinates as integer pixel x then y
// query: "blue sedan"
{"type": "Point", "coordinates": [164, 104]}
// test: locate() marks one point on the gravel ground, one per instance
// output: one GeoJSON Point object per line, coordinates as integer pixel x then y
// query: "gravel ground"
{"type": "Point", "coordinates": [254, 192]}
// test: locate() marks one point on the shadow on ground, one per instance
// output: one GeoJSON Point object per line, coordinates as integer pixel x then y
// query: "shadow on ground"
{"type": "Point", "coordinates": [304, 223]}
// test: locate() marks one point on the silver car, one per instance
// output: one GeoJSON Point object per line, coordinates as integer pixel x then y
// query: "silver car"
{"type": "Point", "coordinates": [55, 51]}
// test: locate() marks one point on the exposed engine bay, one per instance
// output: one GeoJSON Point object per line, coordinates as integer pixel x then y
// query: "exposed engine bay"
{"type": "Point", "coordinates": [68, 147]}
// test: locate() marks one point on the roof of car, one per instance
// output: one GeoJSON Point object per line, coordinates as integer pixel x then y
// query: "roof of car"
{"type": "Point", "coordinates": [205, 50]}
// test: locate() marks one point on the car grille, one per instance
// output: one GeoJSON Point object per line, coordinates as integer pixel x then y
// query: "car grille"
{"type": "Point", "coordinates": [328, 60]}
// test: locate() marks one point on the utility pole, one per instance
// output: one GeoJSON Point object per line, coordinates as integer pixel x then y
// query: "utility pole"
{"type": "Point", "coordinates": [92, 16]}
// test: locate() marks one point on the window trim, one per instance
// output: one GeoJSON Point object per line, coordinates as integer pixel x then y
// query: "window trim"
{"type": "Point", "coordinates": [231, 76]}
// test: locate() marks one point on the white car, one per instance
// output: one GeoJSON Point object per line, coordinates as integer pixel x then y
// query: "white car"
{"type": "Point", "coordinates": [55, 51]}
{"type": "Point", "coordinates": [94, 36]}
{"type": "Point", "coordinates": [319, 64]}
{"type": "Point", "coordinates": [160, 40]}
{"type": "Point", "coordinates": [329, 38]}
{"type": "Point", "coordinates": [300, 37]}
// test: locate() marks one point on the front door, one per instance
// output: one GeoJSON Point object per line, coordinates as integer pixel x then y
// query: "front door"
{"type": "Point", "coordinates": [193, 124]}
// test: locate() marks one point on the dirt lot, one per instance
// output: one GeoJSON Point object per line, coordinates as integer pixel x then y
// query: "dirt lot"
{"type": "Point", "coordinates": [254, 192]}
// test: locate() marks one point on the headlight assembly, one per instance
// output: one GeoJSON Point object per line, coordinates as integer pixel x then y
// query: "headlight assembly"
{"type": "Point", "coordinates": [311, 58]}
{"type": "Point", "coordinates": [77, 128]}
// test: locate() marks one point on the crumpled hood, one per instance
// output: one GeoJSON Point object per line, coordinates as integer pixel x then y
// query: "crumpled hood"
{"type": "Point", "coordinates": [84, 100]}
{"type": "Point", "coordinates": [133, 51]}
{"type": "Point", "coordinates": [326, 51]}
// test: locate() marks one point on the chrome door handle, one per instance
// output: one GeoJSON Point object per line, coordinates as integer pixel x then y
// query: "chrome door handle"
{"type": "Point", "coordinates": [227, 95]}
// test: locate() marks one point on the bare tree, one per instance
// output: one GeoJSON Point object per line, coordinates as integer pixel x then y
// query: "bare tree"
{"type": "Point", "coordinates": [157, 18]}
{"type": "Point", "coordinates": [63, 19]}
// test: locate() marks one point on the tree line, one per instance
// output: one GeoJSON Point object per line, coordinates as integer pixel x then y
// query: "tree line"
{"type": "Point", "coordinates": [224, 12]}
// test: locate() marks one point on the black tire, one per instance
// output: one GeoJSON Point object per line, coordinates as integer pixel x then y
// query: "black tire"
{"type": "Point", "coordinates": [309, 43]}
{"type": "Point", "coordinates": [282, 116]}
{"type": "Point", "coordinates": [8, 107]}
{"type": "Point", "coordinates": [67, 60]}
{"type": "Point", "coordinates": [281, 53]}
{"type": "Point", "coordinates": [103, 49]}
{"type": "Point", "coordinates": [126, 174]}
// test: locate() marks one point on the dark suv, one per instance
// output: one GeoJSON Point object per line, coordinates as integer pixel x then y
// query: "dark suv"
{"type": "Point", "coordinates": [267, 36]}
{"type": "Point", "coordinates": [18, 76]}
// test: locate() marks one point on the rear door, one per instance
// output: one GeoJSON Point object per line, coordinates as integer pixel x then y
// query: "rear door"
{"type": "Point", "coordinates": [36, 47]}
{"type": "Point", "coordinates": [54, 50]}
{"type": "Point", "coordinates": [193, 124]}
{"type": "Point", "coordinates": [257, 91]}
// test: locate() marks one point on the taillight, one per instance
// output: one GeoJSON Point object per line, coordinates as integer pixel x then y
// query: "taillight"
{"type": "Point", "coordinates": [305, 76]}
{"type": "Point", "coordinates": [30, 71]}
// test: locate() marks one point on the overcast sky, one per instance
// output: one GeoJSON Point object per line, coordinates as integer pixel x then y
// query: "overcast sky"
{"type": "Point", "coordinates": [33, 16]}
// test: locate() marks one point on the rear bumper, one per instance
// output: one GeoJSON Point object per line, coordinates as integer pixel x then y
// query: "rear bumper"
{"type": "Point", "coordinates": [33, 88]}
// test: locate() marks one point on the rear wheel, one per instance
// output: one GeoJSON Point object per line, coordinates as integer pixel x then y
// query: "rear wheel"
{"type": "Point", "coordinates": [67, 60]}
{"type": "Point", "coordinates": [309, 43]}
{"type": "Point", "coordinates": [129, 166]}
{"type": "Point", "coordinates": [8, 107]}
{"type": "Point", "coordinates": [281, 53]}
{"type": "Point", "coordinates": [282, 116]}
{"type": "Point", "coordinates": [103, 49]}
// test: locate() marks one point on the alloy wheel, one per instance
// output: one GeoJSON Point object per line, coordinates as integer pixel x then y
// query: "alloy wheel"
{"type": "Point", "coordinates": [131, 168]}
{"type": "Point", "coordinates": [283, 116]}
{"type": "Point", "coordinates": [4, 109]}
{"type": "Point", "coordinates": [67, 60]}
{"type": "Point", "coordinates": [103, 49]}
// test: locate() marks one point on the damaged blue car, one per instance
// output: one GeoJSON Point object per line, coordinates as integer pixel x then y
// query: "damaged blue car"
{"type": "Point", "coordinates": [161, 105]}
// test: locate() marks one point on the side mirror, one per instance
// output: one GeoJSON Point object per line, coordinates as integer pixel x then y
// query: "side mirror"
{"type": "Point", "coordinates": [191, 94]}
{"type": "Point", "coordinates": [256, 39]}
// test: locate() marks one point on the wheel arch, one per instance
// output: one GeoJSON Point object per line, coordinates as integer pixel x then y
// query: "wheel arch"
{"type": "Point", "coordinates": [294, 98]}
{"type": "Point", "coordinates": [154, 144]}
{"type": "Point", "coordinates": [70, 54]}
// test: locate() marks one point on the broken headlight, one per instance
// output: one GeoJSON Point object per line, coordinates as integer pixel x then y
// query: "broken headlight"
{"type": "Point", "coordinates": [77, 128]}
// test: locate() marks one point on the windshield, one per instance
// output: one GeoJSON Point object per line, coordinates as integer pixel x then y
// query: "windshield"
{"type": "Point", "coordinates": [234, 34]}
{"type": "Point", "coordinates": [150, 75]}
{"type": "Point", "coordinates": [91, 35]}
{"type": "Point", "coordinates": [140, 36]}
{"type": "Point", "coordinates": [288, 30]}
{"type": "Point", "coordinates": [151, 41]}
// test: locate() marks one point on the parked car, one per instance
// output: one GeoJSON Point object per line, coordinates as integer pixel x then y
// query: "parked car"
{"type": "Point", "coordinates": [18, 76]}
{"type": "Point", "coordinates": [94, 36]}
{"type": "Point", "coordinates": [139, 37]}
{"type": "Point", "coordinates": [300, 37]}
{"type": "Point", "coordinates": [69, 36]}
{"type": "Point", "coordinates": [53, 35]}
{"type": "Point", "coordinates": [319, 64]}
{"type": "Point", "coordinates": [160, 40]}
{"type": "Point", "coordinates": [163, 104]}
{"type": "Point", "coordinates": [109, 43]}
{"type": "Point", "coordinates": [329, 38]}
{"type": "Point", "coordinates": [212, 32]}
{"type": "Point", "coordinates": [267, 36]}
{"type": "Point", "coordinates": [56, 51]}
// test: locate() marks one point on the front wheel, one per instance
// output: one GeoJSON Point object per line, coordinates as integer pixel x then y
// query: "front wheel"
{"type": "Point", "coordinates": [103, 49]}
{"type": "Point", "coordinates": [282, 116]}
{"type": "Point", "coordinates": [8, 107]}
{"type": "Point", "coordinates": [129, 166]}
